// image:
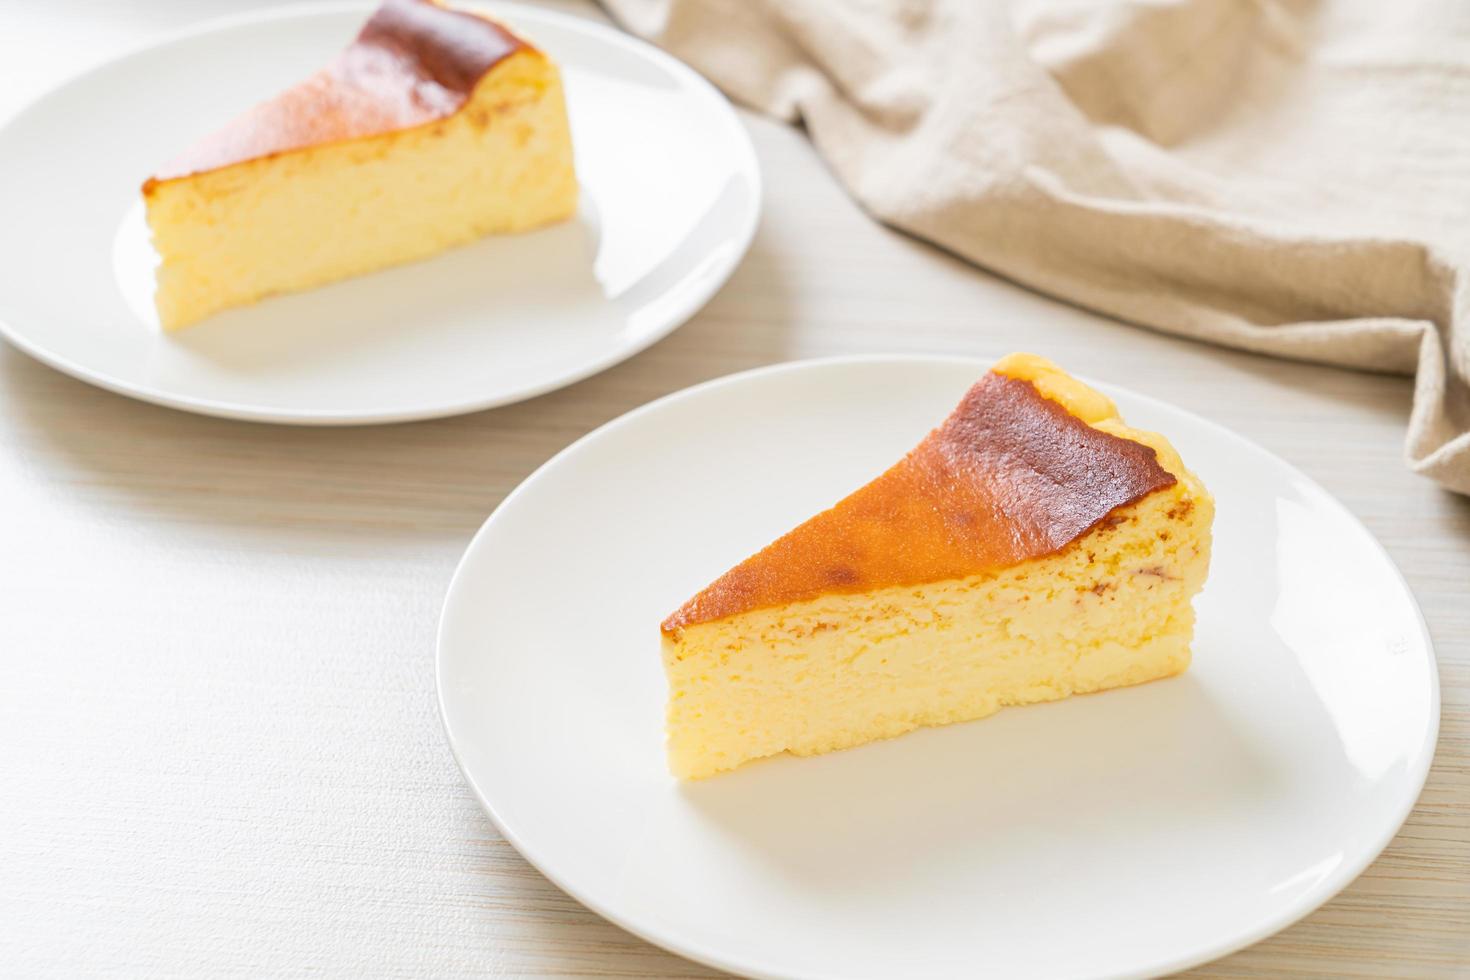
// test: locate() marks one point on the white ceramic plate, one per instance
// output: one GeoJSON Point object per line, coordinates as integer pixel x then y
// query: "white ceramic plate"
{"type": "Point", "coordinates": [1132, 833]}
{"type": "Point", "coordinates": [670, 197]}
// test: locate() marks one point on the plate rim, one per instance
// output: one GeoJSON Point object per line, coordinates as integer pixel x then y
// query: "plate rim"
{"type": "Point", "coordinates": [510, 9]}
{"type": "Point", "coordinates": [1340, 877]}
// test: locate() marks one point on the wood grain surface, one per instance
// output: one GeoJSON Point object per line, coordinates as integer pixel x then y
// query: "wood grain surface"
{"type": "Point", "coordinates": [219, 741]}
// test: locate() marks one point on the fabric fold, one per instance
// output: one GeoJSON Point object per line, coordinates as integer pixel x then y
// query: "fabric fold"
{"type": "Point", "coordinates": [1290, 178]}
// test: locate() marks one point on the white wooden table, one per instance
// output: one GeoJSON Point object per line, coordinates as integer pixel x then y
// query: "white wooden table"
{"type": "Point", "coordinates": [219, 746]}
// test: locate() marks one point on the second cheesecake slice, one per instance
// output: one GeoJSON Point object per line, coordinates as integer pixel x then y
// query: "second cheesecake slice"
{"type": "Point", "coordinates": [433, 128]}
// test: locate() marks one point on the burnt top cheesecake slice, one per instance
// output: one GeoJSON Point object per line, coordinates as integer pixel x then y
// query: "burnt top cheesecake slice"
{"type": "Point", "coordinates": [1031, 547]}
{"type": "Point", "coordinates": [432, 128]}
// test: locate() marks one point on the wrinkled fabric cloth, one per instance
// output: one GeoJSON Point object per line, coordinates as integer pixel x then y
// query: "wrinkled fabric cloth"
{"type": "Point", "coordinates": [1290, 177]}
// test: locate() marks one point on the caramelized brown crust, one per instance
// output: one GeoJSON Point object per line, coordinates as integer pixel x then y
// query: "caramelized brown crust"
{"type": "Point", "coordinates": [414, 62]}
{"type": "Point", "coordinates": [1008, 477]}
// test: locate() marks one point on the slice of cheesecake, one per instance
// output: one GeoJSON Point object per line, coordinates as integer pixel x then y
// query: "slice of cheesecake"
{"type": "Point", "coordinates": [1030, 548]}
{"type": "Point", "coordinates": [435, 127]}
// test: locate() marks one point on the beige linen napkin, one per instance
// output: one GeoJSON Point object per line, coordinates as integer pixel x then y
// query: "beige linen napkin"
{"type": "Point", "coordinates": [1285, 177]}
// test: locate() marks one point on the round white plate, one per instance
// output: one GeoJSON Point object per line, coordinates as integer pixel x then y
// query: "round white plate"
{"type": "Point", "coordinates": [670, 198]}
{"type": "Point", "coordinates": [1132, 833]}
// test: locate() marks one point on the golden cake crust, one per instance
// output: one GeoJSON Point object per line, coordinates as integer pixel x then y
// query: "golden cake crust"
{"type": "Point", "coordinates": [414, 62]}
{"type": "Point", "coordinates": [1010, 476]}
